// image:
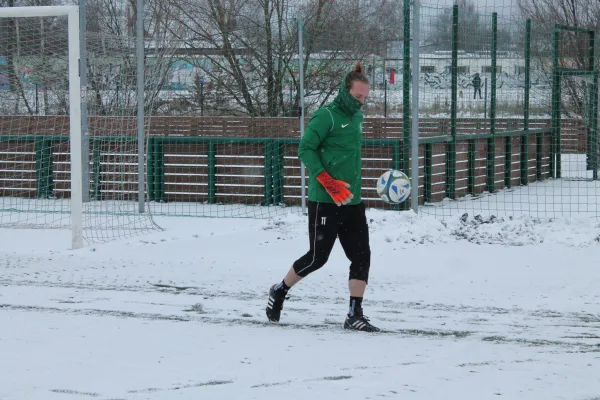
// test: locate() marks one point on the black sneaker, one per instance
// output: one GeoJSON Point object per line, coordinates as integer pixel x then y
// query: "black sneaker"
{"type": "Point", "coordinates": [359, 323]}
{"type": "Point", "coordinates": [275, 303]}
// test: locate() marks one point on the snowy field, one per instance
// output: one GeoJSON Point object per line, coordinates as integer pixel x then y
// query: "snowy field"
{"type": "Point", "coordinates": [470, 310]}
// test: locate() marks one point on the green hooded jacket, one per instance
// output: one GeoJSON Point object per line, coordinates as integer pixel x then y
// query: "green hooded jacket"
{"type": "Point", "coordinates": [332, 142]}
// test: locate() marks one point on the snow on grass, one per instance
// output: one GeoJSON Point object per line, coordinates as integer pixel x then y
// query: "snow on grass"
{"type": "Point", "coordinates": [472, 308]}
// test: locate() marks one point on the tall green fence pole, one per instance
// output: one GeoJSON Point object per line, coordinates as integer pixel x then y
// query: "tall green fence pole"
{"type": "Point", "coordinates": [277, 173]}
{"type": "Point", "coordinates": [525, 137]}
{"type": "Point", "coordinates": [268, 173]}
{"type": "Point", "coordinates": [451, 145]}
{"type": "Point", "coordinates": [150, 169]}
{"type": "Point", "coordinates": [428, 173]}
{"type": "Point", "coordinates": [98, 171]}
{"type": "Point", "coordinates": [471, 155]}
{"type": "Point", "coordinates": [44, 167]}
{"type": "Point", "coordinates": [587, 113]}
{"type": "Point", "coordinates": [491, 142]}
{"type": "Point", "coordinates": [554, 138]}
{"type": "Point", "coordinates": [414, 159]}
{"type": "Point", "coordinates": [301, 92]}
{"type": "Point", "coordinates": [406, 73]}
{"type": "Point", "coordinates": [159, 171]}
{"type": "Point", "coordinates": [141, 134]}
{"type": "Point", "coordinates": [212, 173]}
{"type": "Point", "coordinates": [485, 85]}
{"type": "Point", "coordinates": [592, 140]}
{"type": "Point", "coordinates": [593, 130]}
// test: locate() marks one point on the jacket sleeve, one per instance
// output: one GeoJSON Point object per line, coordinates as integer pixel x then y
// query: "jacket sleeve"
{"type": "Point", "coordinates": [316, 131]}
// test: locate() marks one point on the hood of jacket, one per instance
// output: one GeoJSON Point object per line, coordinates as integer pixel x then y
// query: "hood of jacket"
{"type": "Point", "coordinates": [346, 101]}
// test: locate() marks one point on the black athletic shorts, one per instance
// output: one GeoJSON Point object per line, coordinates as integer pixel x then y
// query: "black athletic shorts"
{"type": "Point", "coordinates": [328, 222]}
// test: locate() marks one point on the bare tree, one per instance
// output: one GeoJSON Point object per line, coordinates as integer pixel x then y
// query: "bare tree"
{"type": "Point", "coordinates": [247, 50]}
{"type": "Point", "coordinates": [240, 47]}
{"type": "Point", "coordinates": [35, 51]}
{"type": "Point", "coordinates": [576, 13]}
{"type": "Point", "coordinates": [474, 29]}
{"type": "Point", "coordinates": [112, 54]}
{"type": "Point", "coordinates": [573, 51]}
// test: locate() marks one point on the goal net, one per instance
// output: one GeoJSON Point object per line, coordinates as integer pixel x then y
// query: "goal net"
{"type": "Point", "coordinates": [53, 174]}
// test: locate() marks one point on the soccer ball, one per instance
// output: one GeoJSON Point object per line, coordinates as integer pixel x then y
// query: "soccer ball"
{"type": "Point", "coordinates": [393, 186]}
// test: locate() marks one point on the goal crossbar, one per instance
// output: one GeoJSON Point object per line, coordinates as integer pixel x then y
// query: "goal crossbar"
{"type": "Point", "coordinates": [34, 12]}
{"type": "Point", "coordinates": [72, 14]}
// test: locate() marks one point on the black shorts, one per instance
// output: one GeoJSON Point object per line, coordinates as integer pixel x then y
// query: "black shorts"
{"type": "Point", "coordinates": [326, 223]}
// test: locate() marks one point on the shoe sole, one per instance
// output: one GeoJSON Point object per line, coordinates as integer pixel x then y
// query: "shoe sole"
{"type": "Point", "coordinates": [351, 328]}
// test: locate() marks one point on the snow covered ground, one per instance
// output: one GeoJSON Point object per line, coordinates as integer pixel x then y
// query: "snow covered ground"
{"type": "Point", "coordinates": [471, 310]}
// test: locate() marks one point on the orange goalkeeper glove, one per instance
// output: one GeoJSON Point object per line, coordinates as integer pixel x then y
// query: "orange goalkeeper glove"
{"type": "Point", "coordinates": [338, 190]}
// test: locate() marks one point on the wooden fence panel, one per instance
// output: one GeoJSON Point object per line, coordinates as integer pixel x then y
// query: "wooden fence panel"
{"type": "Point", "coordinates": [241, 172]}
{"type": "Point", "coordinates": [18, 176]}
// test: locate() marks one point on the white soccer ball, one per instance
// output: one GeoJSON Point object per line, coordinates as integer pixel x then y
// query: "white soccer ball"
{"type": "Point", "coordinates": [393, 186]}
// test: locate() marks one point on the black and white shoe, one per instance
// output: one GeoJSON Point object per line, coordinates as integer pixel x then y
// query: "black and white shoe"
{"type": "Point", "coordinates": [359, 323]}
{"type": "Point", "coordinates": [275, 303]}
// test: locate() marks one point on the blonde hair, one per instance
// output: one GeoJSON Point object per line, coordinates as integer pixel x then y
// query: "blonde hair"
{"type": "Point", "coordinates": [357, 74]}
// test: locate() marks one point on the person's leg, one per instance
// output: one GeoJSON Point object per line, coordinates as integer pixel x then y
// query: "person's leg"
{"type": "Point", "coordinates": [323, 224]}
{"type": "Point", "coordinates": [291, 278]}
{"type": "Point", "coordinates": [357, 287]}
{"type": "Point", "coordinates": [354, 238]}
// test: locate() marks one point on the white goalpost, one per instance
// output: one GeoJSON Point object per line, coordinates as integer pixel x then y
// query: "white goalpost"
{"type": "Point", "coordinates": [72, 14]}
{"type": "Point", "coordinates": [51, 175]}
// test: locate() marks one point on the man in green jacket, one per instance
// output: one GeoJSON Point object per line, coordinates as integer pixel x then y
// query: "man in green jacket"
{"type": "Point", "coordinates": [331, 151]}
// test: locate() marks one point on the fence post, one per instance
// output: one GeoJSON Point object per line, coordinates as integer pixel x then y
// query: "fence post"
{"type": "Point", "coordinates": [150, 168]}
{"type": "Point", "coordinates": [268, 172]}
{"type": "Point", "coordinates": [97, 154]}
{"type": "Point", "coordinates": [485, 85]}
{"type": "Point", "coordinates": [525, 137]}
{"type": "Point", "coordinates": [593, 128]}
{"type": "Point", "coordinates": [508, 161]}
{"type": "Point", "coordinates": [428, 172]}
{"type": "Point", "coordinates": [406, 74]}
{"type": "Point", "coordinates": [396, 156]}
{"type": "Point", "coordinates": [159, 170]}
{"type": "Point", "coordinates": [44, 170]}
{"type": "Point", "coordinates": [212, 179]}
{"type": "Point", "coordinates": [83, 74]}
{"type": "Point", "coordinates": [139, 58]}
{"type": "Point", "coordinates": [491, 142]}
{"type": "Point", "coordinates": [471, 152]}
{"type": "Point", "coordinates": [556, 96]}
{"type": "Point", "coordinates": [39, 169]}
{"type": "Point", "coordinates": [277, 173]}
{"type": "Point", "coordinates": [539, 153]}
{"type": "Point", "coordinates": [414, 140]}
{"type": "Point", "coordinates": [451, 145]}
{"type": "Point", "coordinates": [301, 90]}
{"type": "Point", "coordinates": [587, 116]}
